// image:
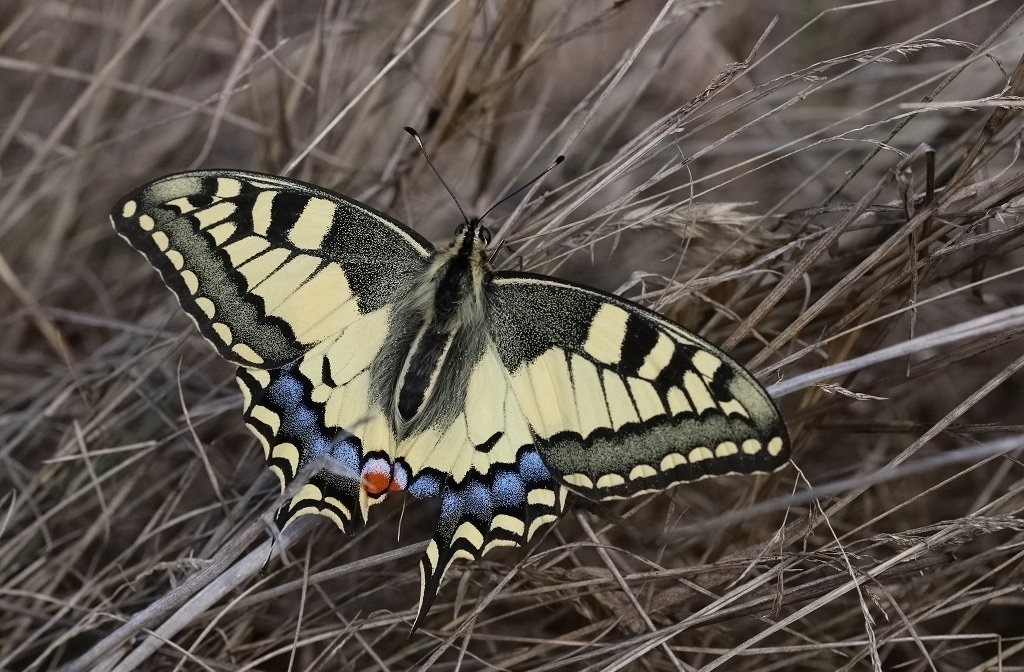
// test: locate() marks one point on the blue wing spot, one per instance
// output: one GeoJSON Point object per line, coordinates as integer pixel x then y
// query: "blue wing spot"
{"type": "Point", "coordinates": [425, 486]}
{"type": "Point", "coordinates": [342, 449]}
{"type": "Point", "coordinates": [532, 468]}
{"type": "Point", "coordinates": [297, 419]}
{"type": "Point", "coordinates": [286, 391]}
{"type": "Point", "coordinates": [300, 420]}
{"type": "Point", "coordinates": [508, 490]}
{"type": "Point", "coordinates": [451, 504]}
{"type": "Point", "coordinates": [478, 501]}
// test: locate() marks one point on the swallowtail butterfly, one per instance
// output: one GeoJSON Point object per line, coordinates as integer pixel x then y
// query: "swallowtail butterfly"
{"type": "Point", "coordinates": [380, 363]}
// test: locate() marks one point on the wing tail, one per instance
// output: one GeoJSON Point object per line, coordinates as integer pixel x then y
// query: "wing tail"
{"type": "Point", "coordinates": [330, 495]}
{"type": "Point", "coordinates": [319, 465]}
{"type": "Point", "coordinates": [506, 506]}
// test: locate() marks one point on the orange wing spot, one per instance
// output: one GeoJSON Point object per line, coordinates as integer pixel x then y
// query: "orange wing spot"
{"type": "Point", "coordinates": [377, 483]}
{"type": "Point", "coordinates": [395, 486]}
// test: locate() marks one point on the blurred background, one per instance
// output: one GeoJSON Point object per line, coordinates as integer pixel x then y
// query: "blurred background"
{"type": "Point", "coordinates": [803, 183]}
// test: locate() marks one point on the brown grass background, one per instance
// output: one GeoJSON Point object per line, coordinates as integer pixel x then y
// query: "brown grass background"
{"type": "Point", "coordinates": [757, 169]}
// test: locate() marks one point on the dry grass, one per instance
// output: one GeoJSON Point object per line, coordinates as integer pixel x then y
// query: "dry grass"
{"type": "Point", "coordinates": [756, 169]}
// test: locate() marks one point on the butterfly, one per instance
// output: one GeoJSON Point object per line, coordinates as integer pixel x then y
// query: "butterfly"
{"type": "Point", "coordinates": [371, 362]}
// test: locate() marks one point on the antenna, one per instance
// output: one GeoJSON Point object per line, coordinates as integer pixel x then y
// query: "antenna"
{"type": "Point", "coordinates": [558, 160]}
{"type": "Point", "coordinates": [416, 136]}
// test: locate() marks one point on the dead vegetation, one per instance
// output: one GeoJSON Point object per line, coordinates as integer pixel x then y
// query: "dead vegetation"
{"type": "Point", "coordinates": [831, 190]}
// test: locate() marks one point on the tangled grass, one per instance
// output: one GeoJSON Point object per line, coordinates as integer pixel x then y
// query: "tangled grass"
{"type": "Point", "coordinates": [833, 191]}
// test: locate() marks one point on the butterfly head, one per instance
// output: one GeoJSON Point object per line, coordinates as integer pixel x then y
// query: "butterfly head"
{"type": "Point", "coordinates": [471, 241]}
{"type": "Point", "coordinates": [473, 232]}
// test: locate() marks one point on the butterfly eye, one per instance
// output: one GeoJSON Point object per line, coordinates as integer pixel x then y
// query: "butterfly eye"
{"type": "Point", "coordinates": [485, 235]}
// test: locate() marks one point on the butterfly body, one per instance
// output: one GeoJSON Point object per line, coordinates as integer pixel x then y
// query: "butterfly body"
{"type": "Point", "coordinates": [444, 312]}
{"type": "Point", "coordinates": [370, 362]}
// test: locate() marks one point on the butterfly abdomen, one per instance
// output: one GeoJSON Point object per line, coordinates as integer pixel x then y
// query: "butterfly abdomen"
{"type": "Point", "coordinates": [421, 370]}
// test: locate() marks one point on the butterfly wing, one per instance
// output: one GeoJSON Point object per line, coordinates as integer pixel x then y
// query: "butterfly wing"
{"type": "Point", "coordinates": [267, 267]}
{"type": "Point", "coordinates": [494, 487]}
{"type": "Point", "coordinates": [319, 417]}
{"type": "Point", "coordinates": [294, 284]}
{"type": "Point", "coordinates": [623, 401]}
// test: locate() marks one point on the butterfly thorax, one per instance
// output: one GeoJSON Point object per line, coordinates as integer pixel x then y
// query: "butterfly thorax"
{"type": "Point", "coordinates": [439, 334]}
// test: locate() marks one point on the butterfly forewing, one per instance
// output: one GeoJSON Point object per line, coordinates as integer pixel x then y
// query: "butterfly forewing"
{"type": "Point", "coordinates": [621, 400]}
{"type": "Point", "coordinates": [267, 267]}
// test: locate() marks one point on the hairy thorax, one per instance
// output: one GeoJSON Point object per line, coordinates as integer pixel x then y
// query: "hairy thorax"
{"type": "Point", "coordinates": [439, 335]}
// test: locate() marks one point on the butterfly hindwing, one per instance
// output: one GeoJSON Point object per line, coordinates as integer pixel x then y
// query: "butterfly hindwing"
{"type": "Point", "coordinates": [319, 416]}
{"type": "Point", "coordinates": [266, 266]}
{"type": "Point", "coordinates": [279, 410]}
{"type": "Point", "coordinates": [505, 506]}
{"type": "Point", "coordinates": [622, 400]}
{"type": "Point", "coordinates": [494, 486]}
